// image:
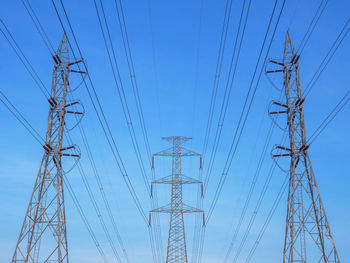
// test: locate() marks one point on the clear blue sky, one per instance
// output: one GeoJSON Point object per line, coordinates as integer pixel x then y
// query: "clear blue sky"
{"type": "Point", "coordinates": [175, 90]}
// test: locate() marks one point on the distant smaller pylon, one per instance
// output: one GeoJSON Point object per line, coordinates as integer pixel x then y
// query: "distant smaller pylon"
{"type": "Point", "coordinates": [176, 250]}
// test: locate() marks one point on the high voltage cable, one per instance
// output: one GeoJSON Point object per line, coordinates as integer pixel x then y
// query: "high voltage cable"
{"type": "Point", "coordinates": [333, 49]}
{"type": "Point", "coordinates": [131, 68]}
{"type": "Point", "coordinates": [94, 203]}
{"type": "Point", "coordinates": [330, 117]}
{"type": "Point", "coordinates": [83, 217]}
{"type": "Point", "coordinates": [197, 68]}
{"type": "Point", "coordinates": [252, 187]}
{"type": "Point", "coordinates": [200, 233]}
{"type": "Point", "coordinates": [130, 62]}
{"type": "Point", "coordinates": [24, 59]}
{"type": "Point", "coordinates": [248, 168]}
{"type": "Point", "coordinates": [158, 229]}
{"type": "Point", "coordinates": [258, 205]}
{"type": "Point", "coordinates": [197, 228]}
{"type": "Point", "coordinates": [268, 219]}
{"type": "Point", "coordinates": [312, 26]}
{"type": "Point", "coordinates": [18, 115]}
{"type": "Point", "coordinates": [219, 62]}
{"type": "Point", "coordinates": [121, 92]}
{"type": "Point", "coordinates": [238, 133]}
{"type": "Point", "coordinates": [38, 25]}
{"type": "Point", "coordinates": [228, 89]}
{"type": "Point", "coordinates": [234, 146]}
{"type": "Point", "coordinates": [103, 194]}
{"type": "Point", "coordinates": [102, 120]}
{"type": "Point", "coordinates": [110, 139]}
{"type": "Point", "coordinates": [291, 21]}
{"type": "Point", "coordinates": [229, 83]}
{"type": "Point", "coordinates": [253, 184]}
{"type": "Point", "coordinates": [101, 188]}
{"type": "Point", "coordinates": [154, 62]}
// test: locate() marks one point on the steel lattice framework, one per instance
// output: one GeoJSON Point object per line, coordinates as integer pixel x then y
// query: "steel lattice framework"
{"type": "Point", "coordinates": [308, 237]}
{"type": "Point", "coordinates": [43, 236]}
{"type": "Point", "coordinates": [176, 250]}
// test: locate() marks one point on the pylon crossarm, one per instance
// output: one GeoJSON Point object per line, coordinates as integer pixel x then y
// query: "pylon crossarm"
{"type": "Point", "coordinates": [169, 152]}
{"type": "Point", "coordinates": [184, 180]}
{"type": "Point", "coordinates": [180, 139]}
{"type": "Point", "coordinates": [184, 209]}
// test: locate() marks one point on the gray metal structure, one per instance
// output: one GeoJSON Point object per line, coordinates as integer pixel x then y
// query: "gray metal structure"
{"type": "Point", "coordinates": [308, 237]}
{"type": "Point", "coordinates": [43, 236]}
{"type": "Point", "coordinates": [176, 250]}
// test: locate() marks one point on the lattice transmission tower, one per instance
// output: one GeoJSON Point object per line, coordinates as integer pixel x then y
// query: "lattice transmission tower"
{"type": "Point", "coordinates": [176, 250]}
{"type": "Point", "coordinates": [308, 237]}
{"type": "Point", "coordinates": [43, 236]}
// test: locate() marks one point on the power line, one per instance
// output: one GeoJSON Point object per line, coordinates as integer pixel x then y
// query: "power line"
{"type": "Point", "coordinates": [312, 26]}
{"type": "Point", "coordinates": [121, 92]}
{"type": "Point", "coordinates": [158, 233]}
{"type": "Point", "coordinates": [24, 59]}
{"type": "Point", "coordinates": [102, 119]}
{"type": "Point", "coordinates": [250, 193]}
{"type": "Point", "coordinates": [333, 49]}
{"type": "Point", "coordinates": [197, 67]}
{"type": "Point", "coordinates": [229, 83]}
{"type": "Point", "coordinates": [244, 181]}
{"type": "Point", "coordinates": [238, 133]}
{"type": "Point", "coordinates": [155, 68]}
{"type": "Point", "coordinates": [101, 188]}
{"type": "Point", "coordinates": [200, 233]}
{"type": "Point", "coordinates": [268, 219]}
{"type": "Point", "coordinates": [18, 115]}
{"type": "Point", "coordinates": [83, 217]}
{"type": "Point", "coordinates": [130, 62]}
{"type": "Point", "coordinates": [235, 143]}
{"type": "Point", "coordinates": [38, 26]}
{"type": "Point", "coordinates": [218, 70]}
{"type": "Point", "coordinates": [330, 117]}
{"type": "Point", "coordinates": [110, 139]}
{"type": "Point", "coordinates": [228, 89]}
{"type": "Point", "coordinates": [257, 206]}
{"type": "Point", "coordinates": [95, 205]}
{"type": "Point", "coordinates": [252, 187]}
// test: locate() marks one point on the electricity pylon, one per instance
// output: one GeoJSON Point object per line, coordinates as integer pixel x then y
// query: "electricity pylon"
{"type": "Point", "coordinates": [43, 236]}
{"type": "Point", "coordinates": [308, 237]}
{"type": "Point", "coordinates": [176, 250]}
